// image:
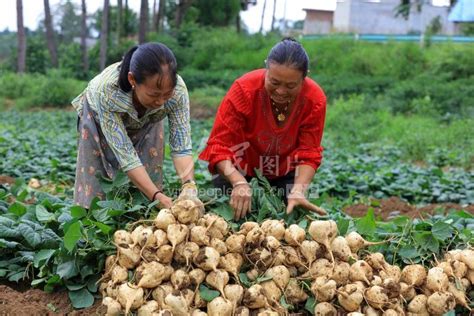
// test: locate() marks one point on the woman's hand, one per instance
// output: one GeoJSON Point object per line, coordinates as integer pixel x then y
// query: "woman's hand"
{"type": "Point", "coordinates": [296, 198]}
{"type": "Point", "coordinates": [165, 201]}
{"type": "Point", "coordinates": [240, 200]}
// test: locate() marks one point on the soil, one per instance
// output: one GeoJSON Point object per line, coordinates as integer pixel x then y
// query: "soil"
{"type": "Point", "coordinates": [392, 207]}
{"type": "Point", "coordinates": [37, 302]}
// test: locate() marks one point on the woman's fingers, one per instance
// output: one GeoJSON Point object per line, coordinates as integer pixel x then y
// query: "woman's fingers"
{"type": "Point", "coordinates": [310, 206]}
{"type": "Point", "coordinates": [303, 202]}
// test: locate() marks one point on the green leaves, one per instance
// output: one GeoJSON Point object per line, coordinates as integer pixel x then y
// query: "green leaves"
{"type": "Point", "coordinates": [442, 231]}
{"type": "Point", "coordinates": [366, 225]}
{"type": "Point", "coordinates": [72, 235]}
{"type": "Point", "coordinates": [81, 298]}
{"type": "Point", "coordinates": [207, 294]}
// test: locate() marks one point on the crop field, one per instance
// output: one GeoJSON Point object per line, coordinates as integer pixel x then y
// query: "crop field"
{"type": "Point", "coordinates": [419, 212]}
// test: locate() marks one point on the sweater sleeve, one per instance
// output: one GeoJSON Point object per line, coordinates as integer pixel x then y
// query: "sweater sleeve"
{"type": "Point", "coordinates": [226, 141]}
{"type": "Point", "coordinates": [309, 150]}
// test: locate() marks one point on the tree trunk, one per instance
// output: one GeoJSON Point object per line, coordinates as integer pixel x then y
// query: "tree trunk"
{"type": "Point", "coordinates": [85, 58]}
{"type": "Point", "coordinates": [273, 15]}
{"type": "Point", "coordinates": [155, 17]}
{"type": "Point", "coordinates": [161, 15]}
{"type": "Point", "coordinates": [263, 15]}
{"type": "Point", "coordinates": [21, 65]}
{"type": "Point", "coordinates": [104, 36]}
{"type": "Point", "coordinates": [181, 8]}
{"type": "Point", "coordinates": [237, 22]}
{"type": "Point", "coordinates": [119, 20]}
{"type": "Point", "coordinates": [143, 22]}
{"type": "Point", "coordinates": [125, 17]}
{"type": "Point", "coordinates": [48, 22]}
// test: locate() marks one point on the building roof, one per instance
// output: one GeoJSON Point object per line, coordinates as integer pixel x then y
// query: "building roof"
{"type": "Point", "coordinates": [463, 11]}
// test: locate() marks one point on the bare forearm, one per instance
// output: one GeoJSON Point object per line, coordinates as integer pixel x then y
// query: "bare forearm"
{"type": "Point", "coordinates": [184, 167]}
{"type": "Point", "coordinates": [303, 176]}
{"type": "Point", "coordinates": [229, 172]}
{"type": "Point", "coordinates": [142, 180]}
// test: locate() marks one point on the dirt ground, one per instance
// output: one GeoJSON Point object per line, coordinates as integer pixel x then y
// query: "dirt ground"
{"type": "Point", "coordinates": [392, 207]}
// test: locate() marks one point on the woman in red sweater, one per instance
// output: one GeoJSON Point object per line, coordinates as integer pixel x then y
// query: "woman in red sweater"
{"type": "Point", "coordinates": [271, 119]}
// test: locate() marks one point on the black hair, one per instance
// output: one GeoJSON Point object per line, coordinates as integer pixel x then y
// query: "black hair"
{"type": "Point", "coordinates": [146, 60]}
{"type": "Point", "coordinates": [291, 53]}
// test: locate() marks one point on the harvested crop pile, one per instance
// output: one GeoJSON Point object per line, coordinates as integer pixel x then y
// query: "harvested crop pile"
{"type": "Point", "coordinates": [188, 263]}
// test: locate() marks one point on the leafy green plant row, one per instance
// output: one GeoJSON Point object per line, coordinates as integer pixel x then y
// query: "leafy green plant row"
{"type": "Point", "coordinates": [53, 244]}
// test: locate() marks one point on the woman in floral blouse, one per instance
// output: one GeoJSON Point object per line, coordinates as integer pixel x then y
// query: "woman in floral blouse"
{"type": "Point", "coordinates": [120, 123]}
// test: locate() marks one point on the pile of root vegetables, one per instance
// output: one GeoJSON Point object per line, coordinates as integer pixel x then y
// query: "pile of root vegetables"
{"type": "Point", "coordinates": [158, 270]}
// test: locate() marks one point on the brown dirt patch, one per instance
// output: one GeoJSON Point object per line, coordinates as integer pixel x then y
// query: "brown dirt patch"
{"type": "Point", "coordinates": [202, 112]}
{"type": "Point", "coordinates": [6, 180]}
{"type": "Point", "coordinates": [392, 207]}
{"type": "Point", "coordinates": [37, 302]}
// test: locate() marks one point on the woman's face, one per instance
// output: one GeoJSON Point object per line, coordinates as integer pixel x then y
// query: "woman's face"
{"type": "Point", "coordinates": [153, 92]}
{"type": "Point", "coordinates": [282, 82]}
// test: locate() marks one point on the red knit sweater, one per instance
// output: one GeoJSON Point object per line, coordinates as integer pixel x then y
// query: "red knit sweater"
{"type": "Point", "coordinates": [246, 133]}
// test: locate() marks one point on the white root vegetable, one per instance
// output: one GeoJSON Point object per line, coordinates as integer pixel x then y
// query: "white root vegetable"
{"type": "Point", "coordinates": [113, 307]}
{"type": "Point", "coordinates": [271, 243]}
{"type": "Point", "coordinates": [246, 227]}
{"type": "Point", "coordinates": [325, 309]}
{"type": "Point", "coordinates": [235, 243]}
{"type": "Point", "coordinates": [437, 280]}
{"type": "Point", "coordinates": [309, 249]}
{"type": "Point", "coordinates": [459, 295]}
{"type": "Point", "coordinates": [340, 273]}
{"type": "Point", "coordinates": [392, 288]}
{"type": "Point", "coordinates": [280, 274]}
{"type": "Point", "coordinates": [122, 238]}
{"type": "Point", "coordinates": [350, 297]}
{"type": "Point", "coordinates": [198, 312]}
{"type": "Point", "coordinates": [414, 275]}
{"type": "Point", "coordinates": [294, 235]}
{"type": "Point", "coordinates": [180, 279]}
{"type": "Point", "coordinates": [377, 261]}
{"type": "Point", "coordinates": [274, 228]}
{"type": "Point", "coordinates": [200, 236]}
{"type": "Point", "coordinates": [130, 297]}
{"type": "Point", "coordinates": [254, 238]}
{"type": "Point", "coordinates": [376, 296]}
{"type": "Point", "coordinates": [164, 254]}
{"type": "Point", "coordinates": [177, 304]}
{"type": "Point", "coordinates": [219, 245]}
{"type": "Point", "coordinates": [460, 269]}
{"type": "Point", "coordinates": [324, 233]}
{"type": "Point", "coordinates": [271, 291]}
{"type": "Point", "coordinates": [160, 237]}
{"type": "Point", "coordinates": [185, 252]}
{"type": "Point", "coordinates": [234, 293]}
{"type": "Point", "coordinates": [163, 219]}
{"type": "Point", "coordinates": [128, 257]}
{"type": "Point", "coordinates": [323, 289]}
{"type": "Point", "coordinates": [232, 262]}
{"type": "Point", "coordinates": [150, 274]}
{"type": "Point", "coordinates": [143, 236]}
{"type": "Point", "coordinates": [357, 242]}
{"type": "Point", "coordinates": [418, 304]}
{"type": "Point", "coordinates": [176, 234]}
{"type": "Point", "coordinates": [217, 226]}
{"type": "Point", "coordinates": [321, 267]}
{"type": "Point", "coordinates": [148, 308]}
{"type": "Point", "coordinates": [242, 311]}
{"type": "Point", "coordinates": [219, 307]}
{"type": "Point", "coordinates": [254, 297]}
{"type": "Point", "coordinates": [197, 276]}
{"type": "Point", "coordinates": [340, 249]}
{"type": "Point", "coordinates": [391, 272]}
{"type": "Point", "coordinates": [218, 279]}
{"type": "Point", "coordinates": [187, 211]}
{"type": "Point", "coordinates": [207, 259]}
{"type": "Point", "coordinates": [160, 292]}
{"type": "Point", "coordinates": [440, 303]}
{"type": "Point", "coordinates": [119, 274]}
{"type": "Point", "coordinates": [467, 256]}
{"type": "Point", "coordinates": [361, 271]}
{"type": "Point", "coordinates": [370, 311]}
{"type": "Point", "coordinates": [294, 292]}
{"type": "Point", "coordinates": [408, 292]}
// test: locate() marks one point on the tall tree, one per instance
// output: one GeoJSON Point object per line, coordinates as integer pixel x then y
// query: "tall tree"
{"type": "Point", "coordinates": [48, 23]}
{"type": "Point", "coordinates": [155, 10]}
{"type": "Point", "coordinates": [21, 62]}
{"type": "Point", "coordinates": [85, 58]}
{"type": "Point", "coordinates": [161, 15]}
{"type": "Point", "coordinates": [273, 15]}
{"type": "Point", "coordinates": [104, 35]}
{"type": "Point", "coordinates": [181, 8]}
{"type": "Point", "coordinates": [119, 20]}
{"type": "Point", "coordinates": [69, 23]}
{"type": "Point", "coordinates": [263, 15]}
{"type": "Point", "coordinates": [143, 28]}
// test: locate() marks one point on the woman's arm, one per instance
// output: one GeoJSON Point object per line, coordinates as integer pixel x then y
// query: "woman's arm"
{"type": "Point", "coordinates": [142, 180]}
{"type": "Point", "coordinates": [184, 166]}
